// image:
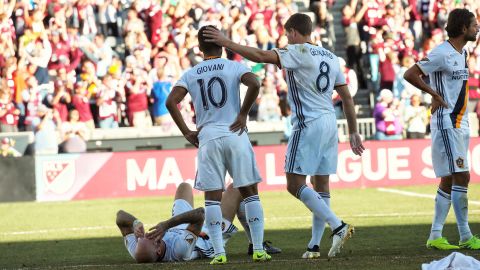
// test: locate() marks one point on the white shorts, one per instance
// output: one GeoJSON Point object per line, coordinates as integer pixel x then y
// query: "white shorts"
{"type": "Point", "coordinates": [449, 151]}
{"type": "Point", "coordinates": [231, 153]}
{"type": "Point", "coordinates": [313, 150]}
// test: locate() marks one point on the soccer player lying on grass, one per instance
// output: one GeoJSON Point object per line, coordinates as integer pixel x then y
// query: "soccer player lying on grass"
{"type": "Point", "coordinates": [182, 237]}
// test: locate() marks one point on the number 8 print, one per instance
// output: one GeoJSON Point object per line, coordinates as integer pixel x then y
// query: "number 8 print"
{"type": "Point", "coordinates": [323, 78]}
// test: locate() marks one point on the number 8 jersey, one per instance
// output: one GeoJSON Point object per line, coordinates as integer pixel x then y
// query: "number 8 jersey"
{"type": "Point", "coordinates": [214, 85]}
{"type": "Point", "coordinates": [312, 72]}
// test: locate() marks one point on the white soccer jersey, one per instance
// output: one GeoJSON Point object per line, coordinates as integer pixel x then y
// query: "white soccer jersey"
{"type": "Point", "coordinates": [448, 73]}
{"type": "Point", "coordinates": [312, 73]}
{"type": "Point", "coordinates": [214, 87]}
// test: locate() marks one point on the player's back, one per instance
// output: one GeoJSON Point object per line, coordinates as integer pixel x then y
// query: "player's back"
{"type": "Point", "coordinates": [312, 72]}
{"type": "Point", "coordinates": [214, 85]}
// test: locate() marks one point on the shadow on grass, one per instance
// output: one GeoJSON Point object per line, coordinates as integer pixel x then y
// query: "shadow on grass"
{"type": "Point", "coordinates": [389, 247]}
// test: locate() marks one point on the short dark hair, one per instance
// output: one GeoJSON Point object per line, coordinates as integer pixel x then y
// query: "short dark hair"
{"type": "Point", "coordinates": [457, 19]}
{"type": "Point", "coordinates": [300, 22]}
{"type": "Point", "coordinates": [207, 47]}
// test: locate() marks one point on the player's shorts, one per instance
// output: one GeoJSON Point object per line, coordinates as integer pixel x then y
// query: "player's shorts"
{"type": "Point", "coordinates": [230, 153]}
{"type": "Point", "coordinates": [449, 151]}
{"type": "Point", "coordinates": [313, 150]}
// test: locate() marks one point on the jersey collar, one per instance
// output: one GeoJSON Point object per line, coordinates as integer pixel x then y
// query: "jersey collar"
{"type": "Point", "coordinates": [210, 58]}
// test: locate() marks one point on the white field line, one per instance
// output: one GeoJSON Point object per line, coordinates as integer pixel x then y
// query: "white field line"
{"type": "Point", "coordinates": [277, 218]}
{"type": "Point", "coordinates": [418, 195]}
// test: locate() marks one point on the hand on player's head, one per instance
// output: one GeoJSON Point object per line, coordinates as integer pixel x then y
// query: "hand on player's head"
{"type": "Point", "coordinates": [214, 35]}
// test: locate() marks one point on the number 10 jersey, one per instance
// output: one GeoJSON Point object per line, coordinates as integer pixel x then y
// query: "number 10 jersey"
{"type": "Point", "coordinates": [312, 73]}
{"type": "Point", "coordinates": [214, 85]}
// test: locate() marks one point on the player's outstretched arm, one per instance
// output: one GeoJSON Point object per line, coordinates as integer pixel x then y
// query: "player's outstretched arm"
{"type": "Point", "coordinates": [250, 80]}
{"type": "Point", "coordinates": [194, 217]}
{"type": "Point", "coordinates": [251, 53]}
{"type": "Point", "coordinates": [128, 224]}
{"type": "Point", "coordinates": [349, 109]}
{"type": "Point", "coordinates": [414, 76]}
{"type": "Point", "coordinates": [175, 97]}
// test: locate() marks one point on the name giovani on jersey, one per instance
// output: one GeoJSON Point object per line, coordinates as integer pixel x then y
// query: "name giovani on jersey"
{"type": "Point", "coordinates": [214, 67]}
{"type": "Point", "coordinates": [314, 52]}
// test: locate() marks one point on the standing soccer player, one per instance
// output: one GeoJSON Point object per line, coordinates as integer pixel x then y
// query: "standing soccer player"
{"type": "Point", "coordinates": [223, 143]}
{"type": "Point", "coordinates": [312, 74]}
{"type": "Point", "coordinates": [447, 68]}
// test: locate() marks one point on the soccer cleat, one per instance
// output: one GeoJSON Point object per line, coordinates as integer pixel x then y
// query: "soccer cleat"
{"type": "Point", "coordinates": [472, 243]}
{"type": "Point", "coordinates": [340, 235]}
{"type": "Point", "coordinates": [267, 246]}
{"type": "Point", "coordinates": [312, 253]}
{"type": "Point", "coordinates": [441, 243]}
{"type": "Point", "coordinates": [261, 256]}
{"type": "Point", "coordinates": [219, 259]}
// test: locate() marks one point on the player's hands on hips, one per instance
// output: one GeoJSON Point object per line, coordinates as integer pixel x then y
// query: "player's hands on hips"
{"type": "Point", "coordinates": [437, 103]}
{"type": "Point", "coordinates": [192, 137]}
{"type": "Point", "coordinates": [157, 232]}
{"type": "Point", "coordinates": [139, 230]}
{"type": "Point", "coordinates": [356, 144]}
{"type": "Point", "coordinates": [239, 124]}
{"type": "Point", "coordinates": [215, 36]}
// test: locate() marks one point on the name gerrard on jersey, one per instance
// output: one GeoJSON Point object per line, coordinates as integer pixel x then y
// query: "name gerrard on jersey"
{"type": "Point", "coordinates": [213, 67]}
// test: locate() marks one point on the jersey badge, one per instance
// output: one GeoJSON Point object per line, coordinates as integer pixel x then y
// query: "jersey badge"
{"type": "Point", "coordinates": [459, 162]}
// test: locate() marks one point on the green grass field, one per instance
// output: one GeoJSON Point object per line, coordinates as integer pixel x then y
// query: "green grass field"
{"type": "Point", "coordinates": [391, 230]}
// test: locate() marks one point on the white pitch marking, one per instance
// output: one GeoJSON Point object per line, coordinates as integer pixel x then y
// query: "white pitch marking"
{"type": "Point", "coordinates": [304, 217]}
{"type": "Point", "coordinates": [415, 194]}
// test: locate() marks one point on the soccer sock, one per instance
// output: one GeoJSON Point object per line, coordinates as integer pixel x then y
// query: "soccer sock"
{"type": "Point", "coordinates": [254, 213]}
{"type": "Point", "coordinates": [243, 220]}
{"type": "Point", "coordinates": [318, 224]}
{"type": "Point", "coordinates": [442, 206]}
{"type": "Point", "coordinates": [225, 225]}
{"type": "Point", "coordinates": [314, 202]}
{"type": "Point", "coordinates": [213, 220]}
{"type": "Point", "coordinates": [460, 206]}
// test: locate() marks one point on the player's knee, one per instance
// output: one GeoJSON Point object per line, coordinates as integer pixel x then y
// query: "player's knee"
{"type": "Point", "coordinates": [292, 189]}
{"type": "Point", "coordinates": [184, 186]}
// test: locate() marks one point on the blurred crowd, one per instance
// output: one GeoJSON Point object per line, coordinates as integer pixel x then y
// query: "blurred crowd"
{"type": "Point", "coordinates": [69, 66]}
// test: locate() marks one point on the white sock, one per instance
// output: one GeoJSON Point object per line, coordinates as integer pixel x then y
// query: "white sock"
{"type": "Point", "coordinates": [213, 220]}
{"type": "Point", "coordinates": [319, 208]}
{"type": "Point", "coordinates": [442, 206]}
{"type": "Point", "coordinates": [318, 224]}
{"type": "Point", "coordinates": [243, 220]}
{"type": "Point", "coordinates": [254, 213]}
{"type": "Point", "coordinates": [460, 206]}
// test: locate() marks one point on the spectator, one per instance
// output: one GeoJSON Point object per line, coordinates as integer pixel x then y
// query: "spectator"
{"type": "Point", "coordinates": [387, 117]}
{"type": "Point", "coordinates": [268, 109]}
{"type": "Point", "coordinates": [352, 82]}
{"type": "Point", "coordinates": [106, 102]}
{"type": "Point", "coordinates": [9, 114]}
{"type": "Point", "coordinates": [74, 134]}
{"type": "Point", "coordinates": [7, 150]}
{"type": "Point", "coordinates": [473, 83]}
{"type": "Point", "coordinates": [59, 100]}
{"type": "Point", "coordinates": [81, 103]}
{"type": "Point", "coordinates": [160, 91]}
{"type": "Point", "coordinates": [45, 131]}
{"type": "Point", "coordinates": [136, 89]}
{"type": "Point", "coordinates": [415, 118]}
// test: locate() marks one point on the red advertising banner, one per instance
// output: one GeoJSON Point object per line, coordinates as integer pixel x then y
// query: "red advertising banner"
{"type": "Point", "coordinates": [156, 173]}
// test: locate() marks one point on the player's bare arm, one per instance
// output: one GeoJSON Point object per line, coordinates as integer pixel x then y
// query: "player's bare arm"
{"type": "Point", "coordinates": [175, 97]}
{"type": "Point", "coordinates": [414, 76]}
{"type": "Point", "coordinates": [251, 81]}
{"type": "Point", "coordinates": [251, 53]}
{"type": "Point", "coordinates": [129, 224]}
{"type": "Point", "coordinates": [194, 217]}
{"type": "Point", "coordinates": [349, 109]}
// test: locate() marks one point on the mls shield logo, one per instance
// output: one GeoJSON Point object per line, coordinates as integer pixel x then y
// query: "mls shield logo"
{"type": "Point", "coordinates": [189, 239]}
{"type": "Point", "coordinates": [58, 176]}
{"type": "Point", "coordinates": [460, 163]}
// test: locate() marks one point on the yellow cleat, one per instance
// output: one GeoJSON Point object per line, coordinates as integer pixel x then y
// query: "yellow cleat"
{"type": "Point", "coordinates": [441, 243]}
{"type": "Point", "coordinates": [219, 259]}
{"type": "Point", "coordinates": [261, 256]}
